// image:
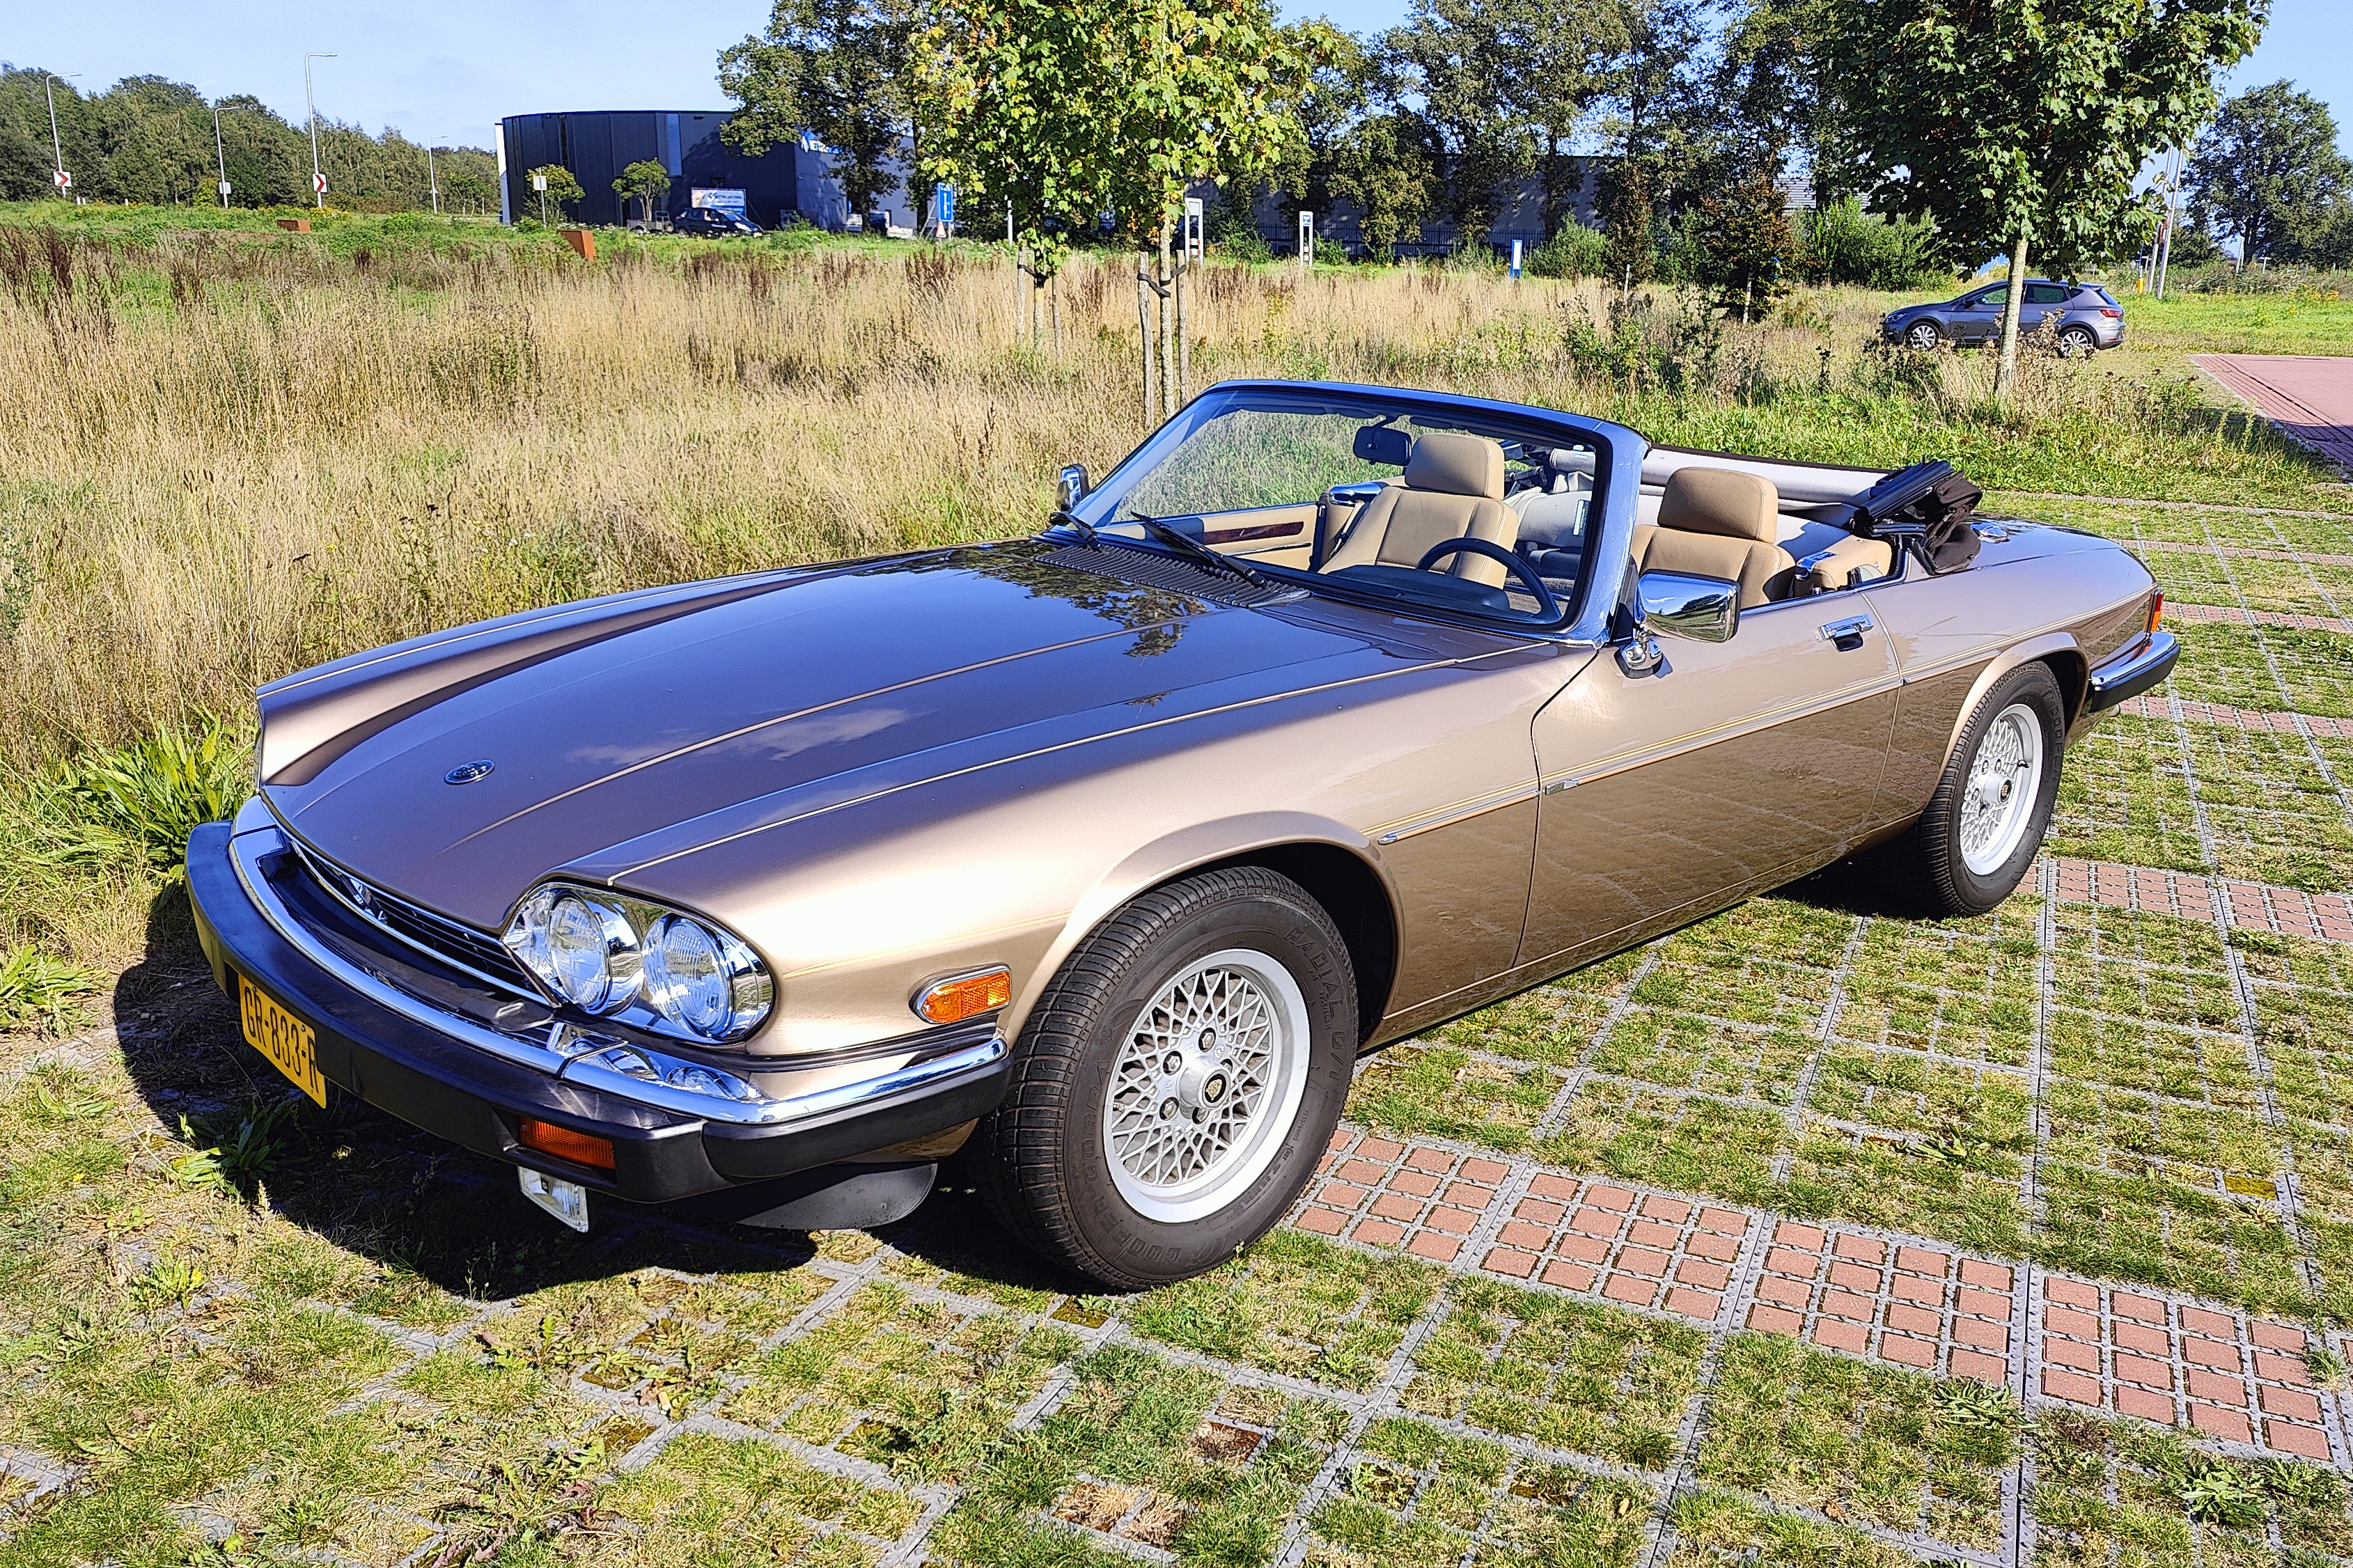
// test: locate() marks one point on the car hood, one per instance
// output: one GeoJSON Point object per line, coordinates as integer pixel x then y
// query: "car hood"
{"type": "Point", "coordinates": [791, 693]}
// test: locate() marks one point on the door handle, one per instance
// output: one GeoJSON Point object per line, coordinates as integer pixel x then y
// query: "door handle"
{"type": "Point", "coordinates": [1846, 636]}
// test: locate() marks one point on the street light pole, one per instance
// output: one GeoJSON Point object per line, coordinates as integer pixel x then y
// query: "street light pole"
{"type": "Point", "coordinates": [433, 182]}
{"type": "Point", "coordinates": [318, 182]}
{"type": "Point", "coordinates": [220, 154]}
{"type": "Point", "coordinates": [56, 147]}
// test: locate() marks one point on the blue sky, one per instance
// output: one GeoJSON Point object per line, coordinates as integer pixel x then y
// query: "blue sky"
{"type": "Point", "coordinates": [443, 70]}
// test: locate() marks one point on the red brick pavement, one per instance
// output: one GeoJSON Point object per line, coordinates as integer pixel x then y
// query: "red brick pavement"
{"type": "Point", "coordinates": [2236, 617]}
{"type": "Point", "coordinates": [2252, 906]}
{"type": "Point", "coordinates": [2309, 397]}
{"type": "Point", "coordinates": [2321, 724]}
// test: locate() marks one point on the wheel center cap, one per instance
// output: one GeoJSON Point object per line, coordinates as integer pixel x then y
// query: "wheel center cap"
{"type": "Point", "coordinates": [1204, 1082]}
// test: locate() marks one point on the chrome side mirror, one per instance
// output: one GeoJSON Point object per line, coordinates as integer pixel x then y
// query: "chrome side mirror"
{"type": "Point", "coordinates": [1704, 609]}
{"type": "Point", "coordinates": [1071, 487]}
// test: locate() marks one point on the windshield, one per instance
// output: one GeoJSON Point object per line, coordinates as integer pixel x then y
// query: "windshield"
{"type": "Point", "coordinates": [1402, 502]}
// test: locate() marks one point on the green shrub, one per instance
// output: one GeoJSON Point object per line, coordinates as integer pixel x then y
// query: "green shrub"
{"type": "Point", "coordinates": [36, 989]}
{"type": "Point", "coordinates": [1573, 251]}
{"type": "Point", "coordinates": [1843, 244]}
{"type": "Point", "coordinates": [136, 804]}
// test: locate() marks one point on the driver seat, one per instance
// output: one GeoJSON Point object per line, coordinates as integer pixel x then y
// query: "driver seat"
{"type": "Point", "coordinates": [1723, 523]}
{"type": "Point", "coordinates": [1452, 488]}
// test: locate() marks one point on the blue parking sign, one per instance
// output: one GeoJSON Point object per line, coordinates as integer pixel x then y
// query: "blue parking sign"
{"type": "Point", "coordinates": [944, 204]}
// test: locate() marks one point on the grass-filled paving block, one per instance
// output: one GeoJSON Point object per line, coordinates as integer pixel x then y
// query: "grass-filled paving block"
{"type": "Point", "coordinates": [1690, 1050]}
{"type": "Point", "coordinates": [709, 1500]}
{"type": "Point", "coordinates": [913, 1385]}
{"type": "Point", "coordinates": [2124, 1493]}
{"type": "Point", "coordinates": [2279, 587]}
{"type": "Point", "coordinates": [1552, 1023]}
{"type": "Point", "coordinates": [2219, 1149]}
{"type": "Point", "coordinates": [2124, 1052]}
{"type": "Point", "coordinates": [1963, 988]}
{"type": "Point", "coordinates": [1861, 1443]}
{"type": "Point", "coordinates": [1581, 1376]}
{"type": "Point", "coordinates": [1715, 1527]}
{"type": "Point", "coordinates": [1953, 1184]}
{"type": "Point", "coordinates": [2274, 813]}
{"type": "Point", "coordinates": [1420, 1498]}
{"type": "Point", "coordinates": [1296, 1305]}
{"type": "Point", "coordinates": [1687, 1142]}
{"type": "Point", "coordinates": [1144, 1451]}
{"type": "Point", "coordinates": [1445, 1091]}
{"type": "Point", "coordinates": [2225, 664]}
{"type": "Point", "coordinates": [2163, 1232]}
{"type": "Point", "coordinates": [2124, 795]}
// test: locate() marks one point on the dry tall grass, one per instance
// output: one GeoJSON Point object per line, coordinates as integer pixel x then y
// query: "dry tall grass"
{"type": "Point", "coordinates": [219, 465]}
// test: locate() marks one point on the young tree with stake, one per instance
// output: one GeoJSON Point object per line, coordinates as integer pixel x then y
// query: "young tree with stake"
{"type": "Point", "coordinates": [2019, 125]}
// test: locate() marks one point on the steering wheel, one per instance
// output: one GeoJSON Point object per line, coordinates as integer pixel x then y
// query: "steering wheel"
{"type": "Point", "coordinates": [1493, 551]}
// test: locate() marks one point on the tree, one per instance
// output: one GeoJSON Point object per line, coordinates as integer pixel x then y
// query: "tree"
{"type": "Point", "coordinates": [562, 190]}
{"type": "Point", "coordinates": [1387, 165]}
{"type": "Point", "coordinates": [1455, 52]}
{"type": "Point", "coordinates": [1556, 56]}
{"type": "Point", "coordinates": [1744, 233]}
{"type": "Point", "coordinates": [2267, 170]}
{"type": "Point", "coordinates": [644, 181]}
{"type": "Point", "coordinates": [2019, 125]}
{"type": "Point", "coordinates": [1073, 111]}
{"type": "Point", "coordinates": [838, 69]}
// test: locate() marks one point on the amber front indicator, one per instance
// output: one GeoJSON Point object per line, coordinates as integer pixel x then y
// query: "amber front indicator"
{"type": "Point", "coordinates": [962, 996]}
{"type": "Point", "coordinates": [580, 1148]}
{"type": "Point", "coordinates": [2156, 608]}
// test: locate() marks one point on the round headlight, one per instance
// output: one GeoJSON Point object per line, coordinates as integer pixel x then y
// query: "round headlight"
{"type": "Point", "coordinates": [687, 976]}
{"type": "Point", "coordinates": [592, 954]}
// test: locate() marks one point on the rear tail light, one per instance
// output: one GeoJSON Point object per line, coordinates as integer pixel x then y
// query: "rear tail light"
{"type": "Point", "coordinates": [2112, 315]}
{"type": "Point", "coordinates": [2156, 608]}
{"type": "Point", "coordinates": [580, 1148]}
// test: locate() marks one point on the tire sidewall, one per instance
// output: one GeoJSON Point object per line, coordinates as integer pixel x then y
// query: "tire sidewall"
{"type": "Point", "coordinates": [2031, 686]}
{"type": "Point", "coordinates": [1290, 930]}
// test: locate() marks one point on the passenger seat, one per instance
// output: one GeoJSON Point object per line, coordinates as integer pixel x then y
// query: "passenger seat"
{"type": "Point", "coordinates": [1723, 523]}
{"type": "Point", "coordinates": [1453, 488]}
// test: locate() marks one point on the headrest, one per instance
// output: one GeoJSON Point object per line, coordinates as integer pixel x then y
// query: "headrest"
{"type": "Point", "coordinates": [1721, 501]}
{"type": "Point", "coordinates": [1459, 465]}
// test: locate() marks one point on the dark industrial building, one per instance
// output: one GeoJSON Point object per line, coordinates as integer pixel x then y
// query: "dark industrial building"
{"type": "Point", "coordinates": [792, 177]}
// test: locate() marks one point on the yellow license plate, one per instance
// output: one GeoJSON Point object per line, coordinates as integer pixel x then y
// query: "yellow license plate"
{"type": "Point", "coordinates": [291, 1045]}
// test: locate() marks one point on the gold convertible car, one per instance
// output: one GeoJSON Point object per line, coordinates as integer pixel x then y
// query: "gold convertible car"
{"type": "Point", "coordinates": [1096, 859]}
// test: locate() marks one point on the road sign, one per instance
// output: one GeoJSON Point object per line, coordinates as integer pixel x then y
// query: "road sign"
{"type": "Point", "coordinates": [539, 182]}
{"type": "Point", "coordinates": [1515, 260]}
{"type": "Point", "coordinates": [223, 190]}
{"type": "Point", "coordinates": [319, 184]}
{"type": "Point", "coordinates": [944, 204]}
{"type": "Point", "coordinates": [64, 179]}
{"type": "Point", "coordinates": [1306, 237]}
{"type": "Point", "coordinates": [1192, 226]}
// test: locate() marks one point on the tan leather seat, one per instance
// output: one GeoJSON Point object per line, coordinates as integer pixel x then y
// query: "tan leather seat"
{"type": "Point", "coordinates": [1719, 523]}
{"type": "Point", "coordinates": [1847, 561]}
{"type": "Point", "coordinates": [1452, 488]}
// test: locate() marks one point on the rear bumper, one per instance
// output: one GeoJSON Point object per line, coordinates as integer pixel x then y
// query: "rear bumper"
{"type": "Point", "coordinates": [673, 1136]}
{"type": "Point", "coordinates": [2138, 669]}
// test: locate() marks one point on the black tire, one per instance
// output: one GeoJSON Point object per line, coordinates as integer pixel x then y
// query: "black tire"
{"type": "Point", "coordinates": [1931, 859]}
{"type": "Point", "coordinates": [1041, 1157]}
{"type": "Point", "coordinates": [1923, 336]}
{"type": "Point", "coordinates": [2077, 342]}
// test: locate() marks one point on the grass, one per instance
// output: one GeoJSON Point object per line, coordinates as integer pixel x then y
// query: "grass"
{"type": "Point", "coordinates": [256, 1331]}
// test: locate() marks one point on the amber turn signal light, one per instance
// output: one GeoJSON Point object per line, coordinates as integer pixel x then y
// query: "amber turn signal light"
{"type": "Point", "coordinates": [580, 1148]}
{"type": "Point", "coordinates": [962, 996]}
{"type": "Point", "coordinates": [2156, 608]}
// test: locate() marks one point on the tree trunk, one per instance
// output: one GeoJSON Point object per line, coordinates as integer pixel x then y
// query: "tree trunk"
{"type": "Point", "coordinates": [1167, 329]}
{"type": "Point", "coordinates": [1144, 327]}
{"type": "Point", "coordinates": [2006, 371]}
{"type": "Point", "coordinates": [1184, 323]}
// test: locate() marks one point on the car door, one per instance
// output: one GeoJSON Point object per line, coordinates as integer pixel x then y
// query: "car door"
{"type": "Point", "coordinates": [1741, 765]}
{"type": "Point", "coordinates": [2042, 300]}
{"type": "Point", "coordinates": [1981, 320]}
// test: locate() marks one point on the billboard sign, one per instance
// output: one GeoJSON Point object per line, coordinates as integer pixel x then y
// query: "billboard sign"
{"type": "Point", "coordinates": [725, 200]}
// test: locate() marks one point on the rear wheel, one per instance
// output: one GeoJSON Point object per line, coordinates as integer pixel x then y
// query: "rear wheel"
{"type": "Point", "coordinates": [1985, 824]}
{"type": "Point", "coordinates": [1923, 335]}
{"type": "Point", "coordinates": [1178, 1082]}
{"type": "Point", "coordinates": [2077, 342]}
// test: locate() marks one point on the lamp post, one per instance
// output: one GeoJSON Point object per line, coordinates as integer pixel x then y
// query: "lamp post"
{"type": "Point", "coordinates": [318, 180]}
{"type": "Point", "coordinates": [221, 155]}
{"type": "Point", "coordinates": [433, 182]}
{"type": "Point", "coordinates": [56, 147]}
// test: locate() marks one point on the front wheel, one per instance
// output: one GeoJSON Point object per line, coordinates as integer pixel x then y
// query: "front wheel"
{"type": "Point", "coordinates": [1923, 336]}
{"type": "Point", "coordinates": [1985, 821]}
{"type": "Point", "coordinates": [1175, 1085]}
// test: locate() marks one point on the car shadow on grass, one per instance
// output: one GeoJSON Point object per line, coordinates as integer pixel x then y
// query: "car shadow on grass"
{"type": "Point", "coordinates": [423, 1210]}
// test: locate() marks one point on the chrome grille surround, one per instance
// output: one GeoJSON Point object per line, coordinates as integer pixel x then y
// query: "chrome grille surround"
{"type": "Point", "coordinates": [437, 936]}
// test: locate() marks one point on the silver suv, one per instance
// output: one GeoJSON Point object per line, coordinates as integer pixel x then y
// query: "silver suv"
{"type": "Point", "coordinates": [2089, 319]}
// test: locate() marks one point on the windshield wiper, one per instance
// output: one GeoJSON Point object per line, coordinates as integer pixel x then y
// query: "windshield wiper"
{"type": "Point", "coordinates": [1184, 544]}
{"type": "Point", "coordinates": [1085, 529]}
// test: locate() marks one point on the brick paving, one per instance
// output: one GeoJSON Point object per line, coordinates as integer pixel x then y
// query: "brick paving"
{"type": "Point", "coordinates": [2232, 614]}
{"type": "Point", "coordinates": [2245, 552]}
{"type": "Point", "coordinates": [2252, 906]}
{"type": "Point", "coordinates": [2307, 397]}
{"type": "Point", "coordinates": [2229, 718]}
{"type": "Point", "coordinates": [2236, 1379]}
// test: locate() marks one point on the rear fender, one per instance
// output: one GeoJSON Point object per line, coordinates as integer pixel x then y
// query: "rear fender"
{"type": "Point", "coordinates": [2070, 684]}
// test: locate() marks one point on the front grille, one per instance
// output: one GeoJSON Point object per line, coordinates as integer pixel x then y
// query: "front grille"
{"type": "Point", "coordinates": [462, 947]}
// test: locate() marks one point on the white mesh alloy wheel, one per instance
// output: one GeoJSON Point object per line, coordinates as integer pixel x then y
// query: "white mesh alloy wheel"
{"type": "Point", "coordinates": [2005, 778]}
{"type": "Point", "coordinates": [1207, 1083]}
